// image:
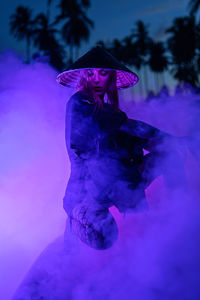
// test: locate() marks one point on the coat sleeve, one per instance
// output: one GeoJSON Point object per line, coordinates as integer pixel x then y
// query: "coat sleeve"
{"type": "Point", "coordinates": [151, 136]}
{"type": "Point", "coordinates": [80, 131]}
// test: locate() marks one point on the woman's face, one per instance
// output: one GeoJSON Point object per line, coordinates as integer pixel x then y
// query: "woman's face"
{"type": "Point", "coordinates": [98, 80]}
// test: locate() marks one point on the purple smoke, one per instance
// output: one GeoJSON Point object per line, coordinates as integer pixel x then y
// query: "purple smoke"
{"type": "Point", "coordinates": [156, 255]}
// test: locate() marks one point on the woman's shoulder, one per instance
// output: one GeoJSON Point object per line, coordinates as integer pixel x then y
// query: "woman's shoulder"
{"type": "Point", "coordinates": [81, 97]}
{"type": "Point", "coordinates": [80, 103]}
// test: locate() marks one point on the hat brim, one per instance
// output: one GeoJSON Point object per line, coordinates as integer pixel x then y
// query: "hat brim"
{"type": "Point", "coordinates": [124, 79]}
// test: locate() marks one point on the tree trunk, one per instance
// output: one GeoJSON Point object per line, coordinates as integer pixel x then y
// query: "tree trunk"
{"type": "Point", "coordinates": [157, 82]}
{"type": "Point", "coordinates": [146, 80]}
{"type": "Point", "coordinates": [28, 49]}
{"type": "Point", "coordinates": [140, 85]}
{"type": "Point", "coordinates": [48, 10]}
{"type": "Point", "coordinates": [48, 13]}
{"type": "Point", "coordinates": [77, 53]}
{"type": "Point", "coordinates": [71, 52]}
{"type": "Point", "coordinates": [163, 78]}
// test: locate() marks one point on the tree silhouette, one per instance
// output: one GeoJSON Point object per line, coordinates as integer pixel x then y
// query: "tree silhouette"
{"type": "Point", "coordinates": [141, 38]}
{"type": "Point", "coordinates": [75, 30]}
{"type": "Point", "coordinates": [194, 5]}
{"type": "Point", "coordinates": [132, 49]}
{"type": "Point", "coordinates": [182, 45]}
{"type": "Point", "coordinates": [157, 61]}
{"type": "Point", "coordinates": [85, 3]}
{"type": "Point", "coordinates": [77, 25]}
{"type": "Point", "coordinates": [130, 53]}
{"type": "Point", "coordinates": [187, 74]}
{"type": "Point", "coordinates": [22, 26]}
{"type": "Point", "coordinates": [45, 40]}
{"type": "Point", "coordinates": [48, 10]}
{"type": "Point", "coordinates": [101, 43]}
{"type": "Point", "coordinates": [141, 41]}
{"type": "Point", "coordinates": [68, 7]}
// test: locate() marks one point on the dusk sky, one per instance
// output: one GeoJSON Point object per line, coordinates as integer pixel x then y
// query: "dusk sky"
{"type": "Point", "coordinates": [156, 255]}
{"type": "Point", "coordinates": [113, 18]}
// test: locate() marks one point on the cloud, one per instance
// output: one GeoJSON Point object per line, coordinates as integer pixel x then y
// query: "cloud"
{"type": "Point", "coordinates": [162, 7]}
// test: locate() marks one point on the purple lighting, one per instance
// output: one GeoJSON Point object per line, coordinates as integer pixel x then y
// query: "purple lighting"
{"type": "Point", "coordinates": [156, 255]}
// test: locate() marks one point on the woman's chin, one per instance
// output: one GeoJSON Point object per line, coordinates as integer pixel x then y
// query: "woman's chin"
{"type": "Point", "coordinates": [99, 93]}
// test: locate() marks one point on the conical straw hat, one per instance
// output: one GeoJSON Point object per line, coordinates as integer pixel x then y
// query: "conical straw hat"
{"type": "Point", "coordinates": [97, 58]}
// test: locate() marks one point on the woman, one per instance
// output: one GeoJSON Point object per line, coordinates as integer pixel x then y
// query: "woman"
{"type": "Point", "coordinates": [105, 149]}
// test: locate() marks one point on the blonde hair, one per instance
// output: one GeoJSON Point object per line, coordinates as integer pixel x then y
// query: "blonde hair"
{"type": "Point", "coordinates": [111, 92]}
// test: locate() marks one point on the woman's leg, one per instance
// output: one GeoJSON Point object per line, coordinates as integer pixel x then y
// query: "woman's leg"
{"type": "Point", "coordinates": [170, 165]}
{"type": "Point", "coordinates": [94, 225]}
{"type": "Point", "coordinates": [149, 168]}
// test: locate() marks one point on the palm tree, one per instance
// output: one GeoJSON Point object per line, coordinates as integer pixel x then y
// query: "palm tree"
{"type": "Point", "coordinates": [67, 7]}
{"type": "Point", "coordinates": [157, 61]}
{"type": "Point", "coordinates": [130, 53]}
{"type": "Point", "coordinates": [116, 48]}
{"type": "Point", "coordinates": [22, 26]}
{"type": "Point", "coordinates": [141, 37]}
{"type": "Point", "coordinates": [48, 9]}
{"type": "Point", "coordinates": [85, 3]}
{"type": "Point", "coordinates": [182, 44]}
{"type": "Point", "coordinates": [142, 41]}
{"type": "Point", "coordinates": [77, 27]}
{"type": "Point", "coordinates": [194, 5]}
{"type": "Point", "coordinates": [43, 32]}
{"type": "Point", "coordinates": [45, 40]}
{"type": "Point", "coordinates": [101, 43]}
{"type": "Point", "coordinates": [186, 74]}
{"type": "Point", "coordinates": [75, 30]}
{"type": "Point", "coordinates": [198, 48]}
{"type": "Point", "coordinates": [132, 49]}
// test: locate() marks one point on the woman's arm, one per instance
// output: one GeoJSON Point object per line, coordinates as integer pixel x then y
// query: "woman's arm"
{"type": "Point", "coordinates": [80, 129]}
{"type": "Point", "coordinates": [153, 136]}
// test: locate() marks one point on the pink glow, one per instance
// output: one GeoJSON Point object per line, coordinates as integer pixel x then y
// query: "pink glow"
{"type": "Point", "coordinates": [156, 255]}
